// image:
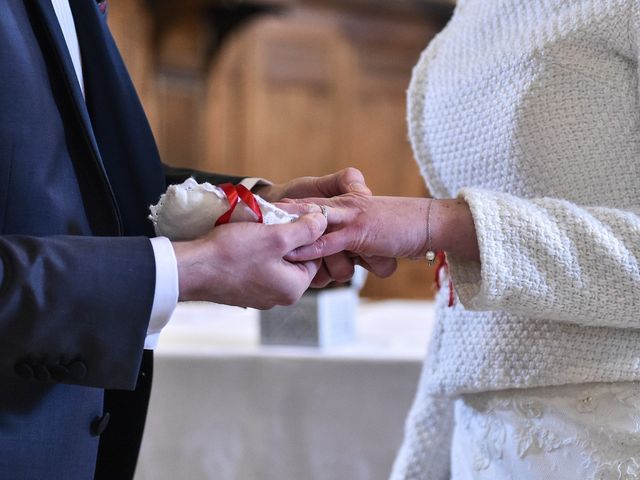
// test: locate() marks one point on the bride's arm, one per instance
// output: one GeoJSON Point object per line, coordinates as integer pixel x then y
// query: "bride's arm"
{"type": "Point", "coordinates": [539, 257]}
{"type": "Point", "coordinates": [453, 230]}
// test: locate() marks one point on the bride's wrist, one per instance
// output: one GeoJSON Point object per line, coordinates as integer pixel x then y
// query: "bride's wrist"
{"type": "Point", "coordinates": [452, 228]}
{"type": "Point", "coordinates": [421, 237]}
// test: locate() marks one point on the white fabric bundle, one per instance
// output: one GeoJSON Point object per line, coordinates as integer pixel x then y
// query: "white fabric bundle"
{"type": "Point", "coordinates": [189, 210]}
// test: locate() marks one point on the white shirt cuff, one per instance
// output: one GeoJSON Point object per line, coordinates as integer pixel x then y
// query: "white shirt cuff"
{"type": "Point", "coordinates": [165, 298]}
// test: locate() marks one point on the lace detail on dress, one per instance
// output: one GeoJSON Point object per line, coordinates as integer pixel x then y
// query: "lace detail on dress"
{"type": "Point", "coordinates": [590, 432]}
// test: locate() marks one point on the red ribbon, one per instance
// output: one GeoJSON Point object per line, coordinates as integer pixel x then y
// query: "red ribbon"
{"type": "Point", "coordinates": [442, 264]}
{"type": "Point", "coordinates": [234, 194]}
{"type": "Point", "coordinates": [250, 201]}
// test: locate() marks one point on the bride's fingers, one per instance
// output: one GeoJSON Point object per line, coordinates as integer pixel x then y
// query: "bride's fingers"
{"type": "Point", "coordinates": [298, 208]}
{"type": "Point", "coordinates": [334, 215]}
{"type": "Point", "coordinates": [315, 200]}
{"type": "Point", "coordinates": [340, 267]}
{"type": "Point", "coordinates": [339, 215]}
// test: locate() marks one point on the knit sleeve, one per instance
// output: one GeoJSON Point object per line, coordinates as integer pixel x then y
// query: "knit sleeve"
{"type": "Point", "coordinates": [551, 259]}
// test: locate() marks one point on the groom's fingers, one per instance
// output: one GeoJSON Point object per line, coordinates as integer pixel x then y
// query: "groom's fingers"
{"type": "Point", "coordinates": [382, 267]}
{"type": "Point", "coordinates": [348, 180]}
{"type": "Point", "coordinates": [322, 278]}
{"type": "Point", "coordinates": [309, 268]}
{"type": "Point", "coordinates": [304, 231]}
{"type": "Point", "coordinates": [340, 267]}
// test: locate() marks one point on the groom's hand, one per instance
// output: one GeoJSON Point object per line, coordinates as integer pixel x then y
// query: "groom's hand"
{"type": "Point", "coordinates": [348, 180]}
{"type": "Point", "coordinates": [243, 263]}
{"type": "Point", "coordinates": [338, 267]}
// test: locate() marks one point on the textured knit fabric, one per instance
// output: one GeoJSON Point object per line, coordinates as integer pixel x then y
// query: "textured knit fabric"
{"type": "Point", "coordinates": [528, 109]}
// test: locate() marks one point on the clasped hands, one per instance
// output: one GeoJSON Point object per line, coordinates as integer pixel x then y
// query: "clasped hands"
{"type": "Point", "coordinates": [261, 266]}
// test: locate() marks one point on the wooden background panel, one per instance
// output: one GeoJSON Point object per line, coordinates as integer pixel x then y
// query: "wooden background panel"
{"type": "Point", "coordinates": [293, 127]}
{"type": "Point", "coordinates": [226, 107]}
{"type": "Point", "coordinates": [179, 119]}
{"type": "Point", "coordinates": [137, 47]}
{"type": "Point", "coordinates": [284, 103]}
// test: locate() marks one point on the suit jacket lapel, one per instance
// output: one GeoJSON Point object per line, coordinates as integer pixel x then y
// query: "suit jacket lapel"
{"type": "Point", "coordinates": [50, 22]}
{"type": "Point", "coordinates": [109, 222]}
{"type": "Point", "coordinates": [125, 140]}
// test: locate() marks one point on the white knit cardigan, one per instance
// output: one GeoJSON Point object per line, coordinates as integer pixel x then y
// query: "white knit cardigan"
{"type": "Point", "coordinates": [529, 110]}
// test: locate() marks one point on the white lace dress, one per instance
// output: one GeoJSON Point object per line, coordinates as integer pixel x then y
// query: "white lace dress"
{"type": "Point", "coordinates": [586, 432]}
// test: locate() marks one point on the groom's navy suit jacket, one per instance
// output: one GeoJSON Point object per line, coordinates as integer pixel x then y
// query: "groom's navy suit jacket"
{"type": "Point", "coordinates": [77, 271]}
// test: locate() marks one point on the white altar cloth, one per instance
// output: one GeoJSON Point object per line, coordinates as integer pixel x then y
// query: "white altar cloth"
{"type": "Point", "coordinates": [225, 408]}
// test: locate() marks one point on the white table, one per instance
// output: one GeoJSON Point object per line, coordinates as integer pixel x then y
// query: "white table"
{"type": "Point", "coordinates": [225, 408]}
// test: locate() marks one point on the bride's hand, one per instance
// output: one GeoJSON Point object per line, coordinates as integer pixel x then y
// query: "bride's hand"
{"type": "Point", "coordinates": [373, 226]}
{"type": "Point", "coordinates": [391, 227]}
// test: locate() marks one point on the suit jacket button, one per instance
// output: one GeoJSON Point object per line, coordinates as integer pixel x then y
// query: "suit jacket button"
{"type": "Point", "coordinates": [77, 369]}
{"type": "Point", "coordinates": [99, 424]}
{"type": "Point", "coordinates": [24, 370]}
{"type": "Point", "coordinates": [42, 373]}
{"type": "Point", "coordinates": [59, 372]}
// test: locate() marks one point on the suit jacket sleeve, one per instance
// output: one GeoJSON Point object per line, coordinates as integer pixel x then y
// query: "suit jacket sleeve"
{"type": "Point", "coordinates": [67, 312]}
